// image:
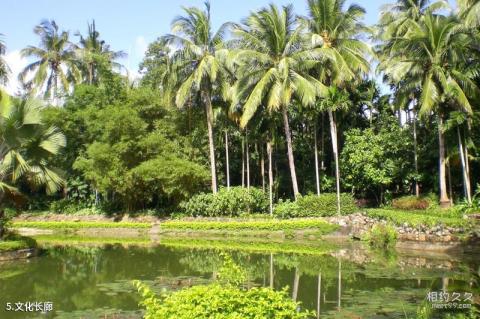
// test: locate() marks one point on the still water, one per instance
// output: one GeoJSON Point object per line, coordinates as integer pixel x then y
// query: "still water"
{"type": "Point", "coordinates": [93, 280]}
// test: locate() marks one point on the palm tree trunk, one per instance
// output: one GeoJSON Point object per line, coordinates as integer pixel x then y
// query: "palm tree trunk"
{"type": "Point", "coordinates": [445, 284]}
{"type": "Point", "coordinates": [415, 153]}
{"type": "Point", "coordinates": [467, 169]}
{"type": "Point", "coordinates": [319, 293]}
{"type": "Point", "coordinates": [55, 89]}
{"type": "Point", "coordinates": [339, 297]}
{"type": "Point", "coordinates": [270, 175]}
{"type": "Point", "coordinates": [271, 270]}
{"type": "Point", "coordinates": [449, 173]}
{"type": "Point", "coordinates": [209, 111]}
{"type": "Point", "coordinates": [227, 160]}
{"type": "Point", "coordinates": [262, 166]}
{"type": "Point", "coordinates": [243, 161]}
{"type": "Point", "coordinates": [317, 173]}
{"type": "Point", "coordinates": [291, 161]}
{"type": "Point", "coordinates": [322, 144]}
{"type": "Point", "coordinates": [296, 282]}
{"type": "Point", "coordinates": [90, 73]}
{"type": "Point", "coordinates": [444, 200]}
{"type": "Point", "coordinates": [333, 132]}
{"type": "Point", "coordinates": [248, 158]}
{"type": "Point", "coordinates": [2, 216]}
{"type": "Point", "coordinates": [466, 186]}
{"type": "Point", "coordinates": [467, 165]}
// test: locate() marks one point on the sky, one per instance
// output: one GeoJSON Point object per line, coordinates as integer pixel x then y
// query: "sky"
{"type": "Point", "coordinates": [126, 25]}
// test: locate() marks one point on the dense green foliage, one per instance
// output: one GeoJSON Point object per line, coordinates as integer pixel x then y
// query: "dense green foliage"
{"type": "Point", "coordinates": [285, 97]}
{"type": "Point", "coordinates": [69, 206]}
{"type": "Point", "coordinates": [376, 158]}
{"type": "Point", "coordinates": [220, 302]}
{"type": "Point", "coordinates": [223, 300]}
{"type": "Point", "coordinates": [325, 205]}
{"type": "Point", "coordinates": [145, 162]}
{"type": "Point", "coordinates": [382, 236]}
{"type": "Point", "coordinates": [286, 209]}
{"type": "Point", "coordinates": [418, 218]}
{"type": "Point", "coordinates": [316, 206]}
{"type": "Point", "coordinates": [227, 202]}
{"type": "Point", "coordinates": [413, 203]}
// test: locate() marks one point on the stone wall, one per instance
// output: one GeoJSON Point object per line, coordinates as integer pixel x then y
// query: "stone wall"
{"type": "Point", "coordinates": [18, 254]}
{"type": "Point", "coordinates": [356, 225]}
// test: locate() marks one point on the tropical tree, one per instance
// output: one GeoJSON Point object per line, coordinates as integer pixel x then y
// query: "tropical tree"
{"type": "Point", "coordinates": [469, 11]}
{"type": "Point", "coordinates": [394, 23]}
{"type": "Point", "coordinates": [26, 145]}
{"type": "Point", "coordinates": [335, 32]}
{"type": "Point", "coordinates": [94, 55]}
{"type": "Point", "coordinates": [395, 17]}
{"type": "Point", "coordinates": [55, 68]}
{"type": "Point", "coordinates": [273, 69]}
{"type": "Point", "coordinates": [3, 65]}
{"type": "Point", "coordinates": [434, 51]}
{"type": "Point", "coordinates": [197, 66]}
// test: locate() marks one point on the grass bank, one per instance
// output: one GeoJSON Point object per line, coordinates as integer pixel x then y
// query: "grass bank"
{"type": "Point", "coordinates": [421, 217]}
{"type": "Point", "coordinates": [14, 242]}
{"type": "Point", "coordinates": [79, 225]}
{"type": "Point", "coordinates": [320, 226]}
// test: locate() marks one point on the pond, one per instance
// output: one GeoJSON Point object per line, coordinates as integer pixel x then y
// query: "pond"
{"type": "Point", "coordinates": [93, 280]}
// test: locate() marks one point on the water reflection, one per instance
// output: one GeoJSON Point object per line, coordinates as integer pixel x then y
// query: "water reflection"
{"type": "Point", "coordinates": [94, 281]}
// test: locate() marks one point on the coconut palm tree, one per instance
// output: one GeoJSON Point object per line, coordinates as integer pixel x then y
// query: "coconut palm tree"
{"type": "Point", "coordinates": [335, 99]}
{"type": "Point", "coordinates": [197, 67]}
{"type": "Point", "coordinates": [434, 51]}
{"type": "Point", "coordinates": [273, 69]}
{"type": "Point", "coordinates": [26, 145]}
{"type": "Point", "coordinates": [335, 32]}
{"type": "Point", "coordinates": [55, 66]}
{"type": "Point", "coordinates": [469, 11]}
{"type": "Point", "coordinates": [393, 24]}
{"type": "Point", "coordinates": [395, 17]}
{"type": "Point", "coordinates": [94, 54]}
{"type": "Point", "coordinates": [4, 70]}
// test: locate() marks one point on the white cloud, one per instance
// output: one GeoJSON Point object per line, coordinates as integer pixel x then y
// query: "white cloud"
{"type": "Point", "coordinates": [141, 46]}
{"type": "Point", "coordinates": [135, 55]}
{"type": "Point", "coordinates": [16, 63]}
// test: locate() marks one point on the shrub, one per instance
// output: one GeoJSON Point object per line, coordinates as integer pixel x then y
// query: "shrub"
{"type": "Point", "coordinates": [233, 202]}
{"type": "Point", "coordinates": [67, 206]}
{"type": "Point", "coordinates": [413, 203]}
{"type": "Point", "coordinates": [4, 219]}
{"type": "Point", "coordinates": [418, 218]}
{"type": "Point", "coordinates": [215, 301]}
{"type": "Point", "coordinates": [325, 205]}
{"type": "Point", "coordinates": [219, 301]}
{"type": "Point", "coordinates": [286, 209]}
{"type": "Point", "coordinates": [382, 236]}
